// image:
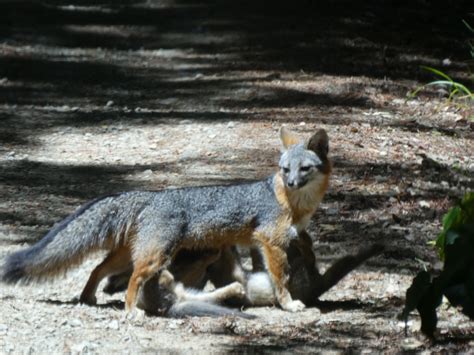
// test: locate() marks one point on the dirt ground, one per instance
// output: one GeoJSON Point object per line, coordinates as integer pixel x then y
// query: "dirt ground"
{"type": "Point", "coordinates": [100, 97]}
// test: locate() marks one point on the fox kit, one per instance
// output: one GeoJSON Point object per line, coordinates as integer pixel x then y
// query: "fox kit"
{"type": "Point", "coordinates": [149, 228]}
{"type": "Point", "coordinates": [162, 295]}
{"type": "Point", "coordinates": [306, 283]}
{"type": "Point", "coordinates": [189, 267]}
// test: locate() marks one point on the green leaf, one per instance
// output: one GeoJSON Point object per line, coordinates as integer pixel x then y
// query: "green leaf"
{"type": "Point", "coordinates": [453, 84]}
{"type": "Point", "coordinates": [467, 206]}
{"type": "Point", "coordinates": [441, 82]}
{"type": "Point", "coordinates": [468, 198]}
{"type": "Point", "coordinates": [456, 247]}
{"type": "Point", "coordinates": [453, 94]}
{"type": "Point", "coordinates": [463, 88]}
{"type": "Point", "coordinates": [468, 26]}
{"type": "Point", "coordinates": [440, 243]}
{"type": "Point", "coordinates": [438, 72]}
{"type": "Point", "coordinates": [450, 220]}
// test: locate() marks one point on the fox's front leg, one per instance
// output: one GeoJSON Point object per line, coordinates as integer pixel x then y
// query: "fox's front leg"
{"type": "Point", "coordinates": [277, 265]}
{"type": "Point", "coordinates": [144, 268]}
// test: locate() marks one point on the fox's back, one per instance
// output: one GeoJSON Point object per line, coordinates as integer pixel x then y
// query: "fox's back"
{"type": "Point", "coordinates": [210, 212]}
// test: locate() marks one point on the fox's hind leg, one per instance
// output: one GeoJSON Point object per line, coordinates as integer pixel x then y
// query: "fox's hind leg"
{"type": "Point", "coordinates": [116, 262]}
{"type": "Point", "coordinates": [189, 267]}
{"type": "Point", "coordinates": [234, 290]}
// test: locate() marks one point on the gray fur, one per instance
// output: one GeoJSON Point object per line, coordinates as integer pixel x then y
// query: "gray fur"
{"type": "Point", "coordinates": [193, 212]}
{"type": "Point", "coordinates": [162, 218]}
{"type": "Point", "coordinates": [163, 300]}
{"type": "Point", "coordinates": [300, 162]}
{"type": "Point", "coordinates": [204, 309]}
{"type": "Point", "coordinates": [67, 243]}
{"type": "Point", "coordinates": [298, 166]}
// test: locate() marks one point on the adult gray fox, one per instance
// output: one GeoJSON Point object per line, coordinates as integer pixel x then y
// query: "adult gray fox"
{"type": "Point", "coordinates": [148, 228]}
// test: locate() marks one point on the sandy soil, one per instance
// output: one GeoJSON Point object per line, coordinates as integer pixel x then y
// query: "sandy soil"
{"type": "Point", "coordinates": [126, 95]}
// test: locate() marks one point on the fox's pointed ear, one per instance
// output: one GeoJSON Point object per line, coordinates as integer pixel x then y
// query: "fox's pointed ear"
{"type": "Point", "coordinates": [288, 137]}
{"type": "Point", "coordinates": [319, 143]}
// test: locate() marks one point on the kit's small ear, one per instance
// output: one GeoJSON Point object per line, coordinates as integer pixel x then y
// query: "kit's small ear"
{"type": "Point", "coordinates": [288, 138]}
{"type": "Point", "coordinates": [319, 143]}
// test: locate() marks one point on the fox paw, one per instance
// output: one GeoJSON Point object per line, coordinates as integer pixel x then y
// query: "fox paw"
{"type": "Point", "coordinates": [294, 306]}
{"type": "Point", "coordinates": [91, 300]}
{"type": "Point", "coordinates": [134, 315]}
{"type": "Point", "coordinates": [237, 289]}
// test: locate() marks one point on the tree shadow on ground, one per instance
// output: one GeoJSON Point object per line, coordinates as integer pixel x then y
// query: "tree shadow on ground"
{"type": "Point", "coordinates": [78, 55]}
{"type": "Point", "coordinates": [313, 337]}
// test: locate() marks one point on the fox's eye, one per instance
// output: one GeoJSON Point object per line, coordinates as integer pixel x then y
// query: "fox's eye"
{"type": "Point", "coordinates": [286, 170]}
{"type": "Point", "coordinates": [305, 168]}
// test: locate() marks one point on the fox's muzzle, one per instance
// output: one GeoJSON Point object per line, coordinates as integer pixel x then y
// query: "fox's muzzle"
{"type": "Point", "coordinates": [294, 184]}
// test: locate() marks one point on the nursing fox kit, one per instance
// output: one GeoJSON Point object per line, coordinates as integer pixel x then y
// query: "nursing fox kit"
{"type": "Point", "coordinates": [148, 228]}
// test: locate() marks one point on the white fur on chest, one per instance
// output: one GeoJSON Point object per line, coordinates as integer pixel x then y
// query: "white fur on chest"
{"type": "Point", "coordinates": [308, 199]}
{"type": "Point", "coordinates": [303, 223]}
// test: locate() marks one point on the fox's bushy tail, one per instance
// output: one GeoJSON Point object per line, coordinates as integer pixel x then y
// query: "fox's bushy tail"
{"type": "Point", "coordinates": [104, 220]}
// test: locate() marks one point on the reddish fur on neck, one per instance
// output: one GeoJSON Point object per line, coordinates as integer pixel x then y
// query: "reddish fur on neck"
{"type": "Point", "coordinates": [285, 198]}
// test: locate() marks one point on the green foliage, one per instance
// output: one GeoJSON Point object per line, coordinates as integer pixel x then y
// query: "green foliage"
{"type": "Point", "coordinates": [456, 281]}
{"type": "Point", "coordinates": [455, 218]}
{"type": "Point", "coordinates": [456, 89]}
{"type": "Point", "coordinates": [471, 44]}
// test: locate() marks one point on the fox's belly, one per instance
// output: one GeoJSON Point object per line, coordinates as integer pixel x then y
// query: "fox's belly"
{"type": "Point", "coordinates": [218, 236]}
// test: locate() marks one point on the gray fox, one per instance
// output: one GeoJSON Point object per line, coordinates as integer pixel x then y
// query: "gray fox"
{"type": "Point", "coordinates": [148, 228]}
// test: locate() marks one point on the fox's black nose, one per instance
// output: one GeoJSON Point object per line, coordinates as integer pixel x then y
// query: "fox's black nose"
{"type": "Point", "coordinates": [291, 183]}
